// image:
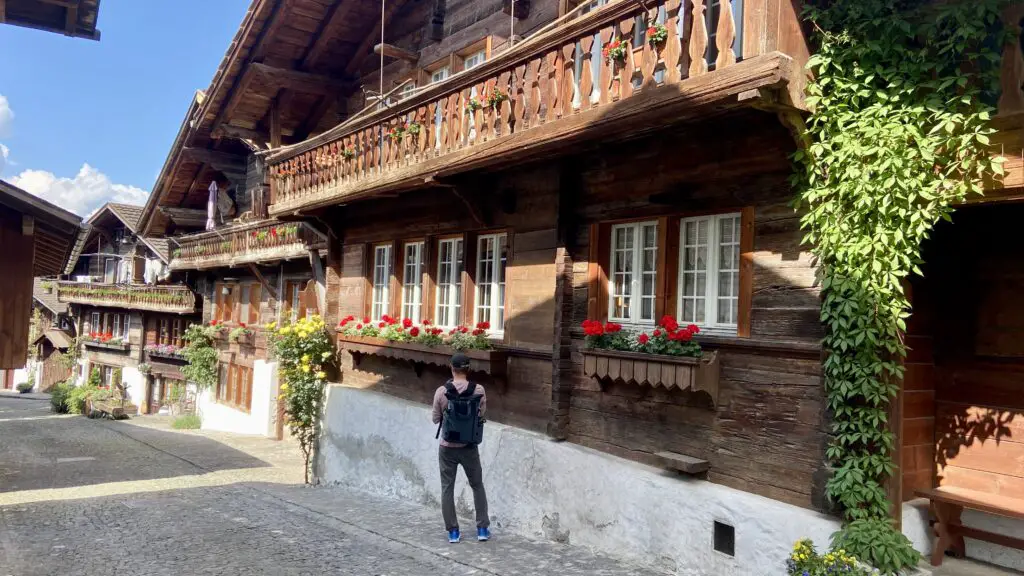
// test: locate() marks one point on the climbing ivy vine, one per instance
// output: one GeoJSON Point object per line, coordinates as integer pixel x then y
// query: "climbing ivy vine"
{"type": "Point", "coordinates": [899, 133]}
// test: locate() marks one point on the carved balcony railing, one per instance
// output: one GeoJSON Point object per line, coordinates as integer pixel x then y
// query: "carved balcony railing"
{"type": "Point", "coordinates": [552, 91]}
{"type": "Point", "coordinates": [172, 299]}
{"type": "Point", "coordinates": [250, 243]}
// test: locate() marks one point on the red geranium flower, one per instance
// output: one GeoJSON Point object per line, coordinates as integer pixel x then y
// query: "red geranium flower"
{"type": "Point", "coordinates": [414, 332]}
{"type": "Point", "coordinates": [593, 328]}
{"type": "Point", "coordinates": [407, 322]}
{"type": "Point", "coordinates": [479, 332]}
{"type": "Point", "coordinates": [359, 326]}
{"type": "Point", "coordinates": [669, 323]}
{"type": "Point", "coordinates": [643, 339]}
{"type": "Point", "coordinates": [366, 319]}
{"type": "Point", "coordinates": [483, 325]}
{"type": "Point", "coordinates": [693, 328]}
{"type": "Point", "coordinates": [382, 324]}
{"type": "Point", "coordinates": [652, 30]}
{"type": "Point", "coordinates": [241, 324]}
{"type": "Point", "coordinates": [425, 322]}
{"type": "Point", "coordinates": [657, 333]}
{"type": "Point", "coordinates": [612, 327]}
{"type": "Point", "coordinates": [273, 232]}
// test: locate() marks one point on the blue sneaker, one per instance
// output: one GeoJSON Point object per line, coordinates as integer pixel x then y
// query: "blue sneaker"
{"type": "Point", "coordinates": [483, 534]}
{"type": "Point", "coordinates": [454, 537]}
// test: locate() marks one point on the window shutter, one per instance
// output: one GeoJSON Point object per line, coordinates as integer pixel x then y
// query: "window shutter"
{"type": "Point", "coordinates": [254, 303]}
{"type": "Point", "coordinates": [668, 268]}
{"type": "Point", "coordinates": [746, 292]}
{"type": "Point", "coordinates": [469, 250]}
{"type": "Point", "coordinates": [429, 279]}
{"type": "Point", "coordinates": [597, 276]}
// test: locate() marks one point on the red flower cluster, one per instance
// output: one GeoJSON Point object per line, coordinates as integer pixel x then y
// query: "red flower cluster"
{"type": "Point", "coordinates": [215, 323]}
{"type": "Point", "coordinates": [483, 326]}
{"type": "Point", "coordinates": [612, 46]}
{"type": "Point", "coordinates": [460, 329]}
{"type": "Point", "coordinates": [346, 320]}
{"type": "Point", "coordinates": [593, 328]}
{"type": "Point", "coordinates": [407, 322]}
{"type": "Point", "coordinates": [103, 337]}
{"type": "Point", "coordinates": [479, 332]}
{"type": "Point", "coordinates": [366, 319]}
{"type": "Point", "coordinates": [652, 30]}
{"type": "Point", "coordinates": [434, 331]}
{"type": "Point", "coordinates": [387, 321]}
{"type": "Point", "coordinates": [674, 332]}
{"type": "Point", "coordinates": [414, 331]}
{"type": "Point", "coordinates": [425, 323]}
{"type": "Point", "coordinates": [643, 339]}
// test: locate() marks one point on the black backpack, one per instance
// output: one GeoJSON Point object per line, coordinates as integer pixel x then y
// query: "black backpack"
{"type": "Point", "coordinates": [461, 422]}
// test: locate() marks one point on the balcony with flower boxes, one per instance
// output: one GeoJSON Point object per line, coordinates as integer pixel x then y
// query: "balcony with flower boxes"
{"type": "Point", "coordinates": [172, 299]}
{"type": "Point", "coordinates": [246, 244]}
{"type": "Point", "coordinates": [622, 70]}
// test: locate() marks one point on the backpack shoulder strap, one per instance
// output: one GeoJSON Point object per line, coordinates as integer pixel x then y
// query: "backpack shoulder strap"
{"type": "Point", "coordinates": [469, 391]}
{"type": "Point", "coordinates": [450, 390]}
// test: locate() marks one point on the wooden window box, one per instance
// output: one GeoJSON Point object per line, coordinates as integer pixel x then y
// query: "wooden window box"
{"type": "Point", "coordinates": [166, 357]}
{"type": "Point", "coordinates": [492, 362]}
{"type": "Point", "coordinates": [682, 372]}
{"type": "Point", "coordinates": [122, 347]}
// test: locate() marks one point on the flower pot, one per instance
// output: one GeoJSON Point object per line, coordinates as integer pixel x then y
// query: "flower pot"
{"type": "Point", "coordinates": [682, 372]}
{"type": "Point", "coordinates": [492, 362]}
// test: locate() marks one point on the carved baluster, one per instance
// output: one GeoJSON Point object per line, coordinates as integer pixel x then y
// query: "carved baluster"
{"type": "Point", "coordinates": [568, 80]}
{"type": "Point", "coordinates": [673, 45]}
{"type": "Point", "coordinates": [501, 114]}
{"type": "Point", "coordinates": [650, 53]}
{"type": "Point", "coordinates": [608, 83]}
{"type": "Point", "coordinates": [426, 122]}
{"type": "Point", "coordinates": [553, 65]}
{"type": "Point", "coordinates": [536, 98]}
{"type": "Point", "coordinates": [455, 113]}
{"type": "Point", "coordinates": [483, 115]}
{"type": "Point", "coordinates": [465, 132]}
{"type": "Point", "coordinates": [726, 35]}
{"type": "Point", "coordinates": [587, 74]}
{"type": "Point", "coordinates": [519, 100]}
{"type": "Point", "coordinates": [543, 91]}
{"type": "Point", "coordinates": [445, 104]}
{"type": "Point", "coordinates": [628, 67]}
{"type": "Point", "coordinates": [698, 40]}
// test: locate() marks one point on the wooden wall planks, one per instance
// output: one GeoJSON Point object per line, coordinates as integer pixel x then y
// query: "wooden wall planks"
{"type": "Point", "coordinates": [16, 261]}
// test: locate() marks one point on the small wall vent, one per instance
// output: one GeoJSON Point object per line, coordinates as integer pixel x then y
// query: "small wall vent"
{"type": "Point", "coordinates": [725, 538]}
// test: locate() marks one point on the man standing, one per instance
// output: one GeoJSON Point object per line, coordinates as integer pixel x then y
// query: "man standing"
{"type": "Point", "coordinates": [458, 411]}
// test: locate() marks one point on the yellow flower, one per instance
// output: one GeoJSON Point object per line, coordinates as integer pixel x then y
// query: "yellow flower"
{"type": "Point", "coordinates": [284, 387]}
{"type": "Point", "coordinates": [271, 325]}
{"type": "Point", "coordinates": [305, 357]}
{"type": "Point", "coordinates": [286, 330]}
{"type": "Point", "coordinates": [303, 334]}
{"type": "Point", "coordinates": [321, 375]}
{"type": "Point", "coordinates": [325, 355]}
{"type": "Point", "coordinates": [306, 369]}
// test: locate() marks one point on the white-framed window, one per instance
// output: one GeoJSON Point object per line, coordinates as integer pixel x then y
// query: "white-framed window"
{"type": "Point", "coordinates": [448, 304]}
{"type": "Point", "coordinates": [709, 270]}
{"type": "Point", "coordinates": [381, 281]}
{"type": "Point", "coordinates": [96, 322]}
{"type": "Point", "coordinates": [246, 295]}
{"type": "Point", "coordinates": [491, 260]}
{"type": "Point", "coordinates": [440, 74]}
{"type": "Point", "coordinates": [633, 273]}
{"type": "Point", "coordinates": [121, 324]}
{"type": "Point", "coordinates": [412, 281]}
{"type": "Point", "coordinates": [475, 59]}
{"type": "Point", "coordinates": [407, 90]}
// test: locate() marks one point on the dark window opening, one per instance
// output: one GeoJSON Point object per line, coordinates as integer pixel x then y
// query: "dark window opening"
{"type": "Point", "coordinates": [725, 538]}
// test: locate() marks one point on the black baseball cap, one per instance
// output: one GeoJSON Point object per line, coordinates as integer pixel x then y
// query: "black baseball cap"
{"type": "Point", "coordinates": [460, 361]}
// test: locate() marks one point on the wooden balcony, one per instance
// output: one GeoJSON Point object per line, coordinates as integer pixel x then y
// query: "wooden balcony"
{"type": "Point", "coordinates": [246, 244]}
{"type": "Point", "coordinates": [171, 299]}
{"type": "Point", "coordinates": [554, 91]}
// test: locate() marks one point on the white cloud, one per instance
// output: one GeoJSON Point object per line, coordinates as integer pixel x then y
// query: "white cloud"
{"type": "Point", "coordinates": [83, 194]}
{"type": "Point", "coordinates": [4, 153]}
{"type": "Point", "coordinates": [6, 116]}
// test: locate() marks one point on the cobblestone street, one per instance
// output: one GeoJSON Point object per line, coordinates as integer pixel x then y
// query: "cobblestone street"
{"type": "Point", "coordinates": [93, 497]}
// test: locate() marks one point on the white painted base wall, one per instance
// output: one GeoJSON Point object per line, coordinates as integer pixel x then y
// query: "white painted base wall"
{"type": "Point", "coordinates": [259, 421]}
{"type": "Point", "coordinates": [564, 492]}
{"type": "Point", "coordinates": [916, 527]}
{"type": "Point", "coordinates": [134, 385]}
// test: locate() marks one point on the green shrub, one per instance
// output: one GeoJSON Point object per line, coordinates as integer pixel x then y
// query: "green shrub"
{"type": "Point", "coordinates": [187, 422]}
{"type": "Point", "coordinates": [59, 397]}
{"type": "Point", "coordinates": [26, 386]}
{"type": "Point", "coordinates": [878, 543]}
{"type": "Point", "coordinates": [805, 561]}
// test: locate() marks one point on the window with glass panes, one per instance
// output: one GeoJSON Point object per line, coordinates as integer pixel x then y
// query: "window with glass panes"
{"type": "Point", "coordinates": [448, 304]}
{"type": "Point", "coordinates": [492, 258]}
{"type": "Point", "coordinates": [633, 274]}
{"type": "Point", "coordinates": [381, 281]}
{"type": "Point", "coordinates": [709, 270]}
{"type": "Point", "coordinates": [412, 281]}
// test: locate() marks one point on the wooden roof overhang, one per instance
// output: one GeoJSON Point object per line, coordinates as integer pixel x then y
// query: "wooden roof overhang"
{"type": "Point", "coordinates": [55, 230]}
{"type": "Point", "coordinates": [76, 18]}
{"type": "Point", "coordinates": [316, 174]}
{"type": "Point", "coordinates": [284, 77]}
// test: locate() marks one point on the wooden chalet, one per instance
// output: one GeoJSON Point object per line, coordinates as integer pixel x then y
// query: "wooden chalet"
{"type": "Point", "coordinates": [38, 238]}
{"type": "Point", "coordinates": [491, 162]}
{"type": "Point", "coordinates": [54, 335]}
{"type": "Point", "coordinates": [129, 313]}
{"type": "Point", "coordinates": [76, 18]}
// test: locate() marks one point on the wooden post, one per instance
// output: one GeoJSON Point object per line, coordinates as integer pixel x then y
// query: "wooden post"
{"type": "Point", "coordinates": [275, 125]}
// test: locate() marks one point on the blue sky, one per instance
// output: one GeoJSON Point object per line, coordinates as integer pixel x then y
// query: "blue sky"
{"type": "Point", "coordinates": [83, 122]}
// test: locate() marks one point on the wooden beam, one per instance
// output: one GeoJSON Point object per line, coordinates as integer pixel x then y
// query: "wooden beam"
{"type": "Point", "coordinates": [245, 133]}
{"type": "Point", "coordinates": [275, 125]}
{"type": "Point", "coordinates": [322, 107]}
{"type": "Point", "coordinates": [28, 225]}
{"type": "Point", "coordinates": [277, 19]}
{"type": "Point", "coordinates": [363, 51]}
{"type": "Point", "coordinates": [71, 19]}
{"type": "Point", "coordinates": [266, 285]}
{"type": "Point", "coordinates": [240, 88]}
{"type": "Point", "coordinates": [392, 51]}
{"type": "Point", "coordinates": [338, 13]}
{"type": "Point", "coordinates": [3, 11]}
{"type": "Point", "coordinates": [189, 217]}
{"type": "Point", "coordinates": [222, 161]}
{"type": "Point", "coordinates": [305, 82]}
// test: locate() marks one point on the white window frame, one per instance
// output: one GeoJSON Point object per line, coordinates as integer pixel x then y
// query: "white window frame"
{"type": "Point", "coordinates": [126, 322]}
{"type": "Point", "coordinates": [412, 281]}
{"type": "Point", "coordinates": [454, 302]}
{"type": "Point", "coordinates": [474, 59]}
{"type": "Point", "coordinates": [381, 292]}
{"type": "Point", "coordinates": [407, 90]}
{"type": "Point", "coordinates": [96, 322]}
{"type": "Point", "coordinates": [636, 296]}
{"type": "Point", "coordinates": [496, 308]}
{"type": "Point", "coordinates": [441, 74]}
{"type": "Point", "coordinates": [245, 295]}
{"type": "Point", "coordinates": [711, 273]}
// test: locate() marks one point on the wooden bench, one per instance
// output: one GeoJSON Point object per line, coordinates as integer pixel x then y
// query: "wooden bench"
{"type": "Point", "coordinates": [683, 463]}
{"type": "Point", "coordinates": [948, 503]}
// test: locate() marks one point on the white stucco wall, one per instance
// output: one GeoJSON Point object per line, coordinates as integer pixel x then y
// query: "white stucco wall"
{"type": "Point", "coordinates": [562, 491]}
{"type": "Point", "coordinates": [21, 376]}
{"type": "Point", "coordinates": [134, 385]}
{"type": "Point", "coordinates": [916, 527]}
{"type": "Point", "coordinates": [260, 420]}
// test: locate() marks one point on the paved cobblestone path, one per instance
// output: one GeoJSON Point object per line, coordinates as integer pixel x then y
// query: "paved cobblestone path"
{"type": "Point", "coordinates": [93, 497]}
